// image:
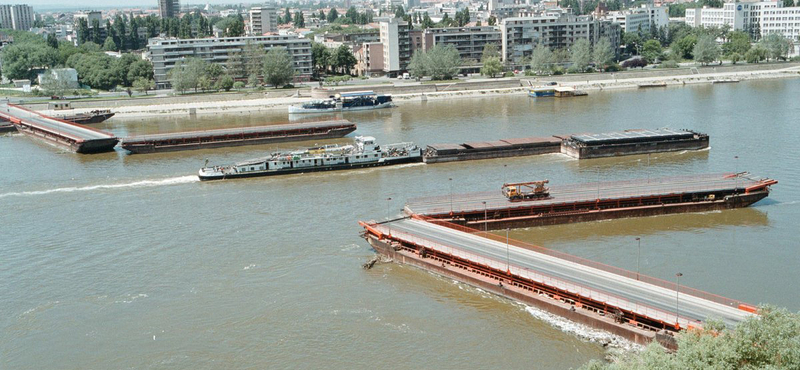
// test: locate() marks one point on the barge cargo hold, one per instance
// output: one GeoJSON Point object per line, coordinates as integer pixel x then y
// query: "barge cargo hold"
{"type": "Point", "coordinates": [95, 116]}
{"type": "Point", "coordinates": [637, 307]}
{"type": "Point", "coordinates": [632, 142]}
{"type": "Point", "coordinates": [191, 140]}
{"type": "Point", "coordinates": [492, 149]}
{"type": "Point", "coordinates": [597, 201]}
{"type": "Point", "coordinates": [67, 135]}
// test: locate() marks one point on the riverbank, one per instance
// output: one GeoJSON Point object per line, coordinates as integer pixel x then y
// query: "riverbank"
{"type": "Point", "coordinates": [280, 99]}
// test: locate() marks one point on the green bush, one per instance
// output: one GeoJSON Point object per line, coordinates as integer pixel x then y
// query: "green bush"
{"type": "Point", "coordinates": [668, 64]}
{"type": "Point", "coordinates": [573, 69]}
{"type": "Point", "coordinates": [558, 70]}
{"type": "Point", "coordinates": [613, 68]}
{"type": "Point", "coordinates": [508, 74]}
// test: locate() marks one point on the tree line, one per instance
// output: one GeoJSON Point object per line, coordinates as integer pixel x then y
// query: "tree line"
{"type": "Point", "coordinates": [274, 67]}
{"type": "Point", "coordinates": [336, 60]}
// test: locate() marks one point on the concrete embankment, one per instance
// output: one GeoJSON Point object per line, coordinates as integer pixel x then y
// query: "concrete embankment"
{"type": "Point", "coordinates": [246, 103]}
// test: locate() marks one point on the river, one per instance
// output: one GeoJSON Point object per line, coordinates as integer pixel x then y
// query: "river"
{"type": "Point", "coordinates": [128, 261]}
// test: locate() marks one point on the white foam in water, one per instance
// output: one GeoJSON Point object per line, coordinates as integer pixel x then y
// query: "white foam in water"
{"type": "Point", "coordinates": [582, 331]}
{"type": "Point", "coordinates": [137, 184]}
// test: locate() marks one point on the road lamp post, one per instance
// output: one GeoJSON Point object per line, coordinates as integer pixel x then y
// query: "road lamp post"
{"type": "Point", "coordinates": [508, 254]}
{"type": "Point", "coordinates": [677, 299]}
{"type": "Point", "coordinates": [638, 255]}
{"type": "Point", "coordinates": [485, 217]}
{"type": "Point", "coordinates": [450, 180]}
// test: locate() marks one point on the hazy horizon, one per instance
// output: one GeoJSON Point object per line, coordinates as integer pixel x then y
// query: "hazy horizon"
{"type": "Point", "coordinates": [48, 5]}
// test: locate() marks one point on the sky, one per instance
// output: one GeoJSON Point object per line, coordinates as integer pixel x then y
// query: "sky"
{"type": "Point", "coordinates": [105, 4]}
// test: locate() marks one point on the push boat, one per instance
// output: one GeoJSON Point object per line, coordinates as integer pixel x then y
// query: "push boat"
{"type": "Point", "coordinates": [345, 102]}
{"type": "Point", "coordinates": [364, 153]}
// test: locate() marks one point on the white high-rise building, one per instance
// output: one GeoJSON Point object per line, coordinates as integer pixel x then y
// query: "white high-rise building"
{"type": "Point", "coordinates": [641, 19]}
{"type": "Point", "coordinates": [396, 44]}
{"type": "Point", "coordinates": [18, 17]}
{"type": "Point", "coordinates": [740, 16]}
{"type": "Point", "coordinates": [263, 20]}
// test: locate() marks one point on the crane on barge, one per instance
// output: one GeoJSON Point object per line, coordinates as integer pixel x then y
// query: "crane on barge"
{"type": "Point", "coordinates": [532, 190]}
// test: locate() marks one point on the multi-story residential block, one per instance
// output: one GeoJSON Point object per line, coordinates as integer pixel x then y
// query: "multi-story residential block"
{"type": "Point", "coordinates": [556, 30]}
{"type": "Point", "coordinates": [166, 52]}
{"type": "Point", "coordinates": [89, 16]}
{"type": "Point", "coordinates": [354, 40]}
{"type": "Point", "coordinates": [783, 21]}
{"type": "Point", "coordinates": [18, 17]}
{"type": "Point", "coordinates": [370, 59]}
{"type": "Point", "coordinates": [396, 45]}
{"type": "Point", "coordinates": [169, 8]}
{"type": "Point", "coordinates": [469, 41]}
{"type": "Point", "coordinates": [263, 20]}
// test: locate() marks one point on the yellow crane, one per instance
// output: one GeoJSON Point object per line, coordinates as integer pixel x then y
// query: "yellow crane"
{"type": "Point", "coordinates": [532, 190]}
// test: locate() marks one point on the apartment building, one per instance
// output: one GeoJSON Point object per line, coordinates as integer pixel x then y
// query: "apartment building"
{"type": "Point", "coordinates": [394, 34]}
{"type": "Point", "coordinates": [263, 20]}
{"type": "Point", "coordinates": [369, 57]}
{"type": "Point", "coordinates": [18, 17]}
{"type": "Point", "coordinates": [640, 19]}
{"type": "Point", "coordinates": [740, 16]}
{"type": "Point", "coordinates": [469, 41]}
{"type": "Point", "coordinates": [169, 8]}
{"type": "Point", "coordinates": [556, 30]}
{"type": "Point", "coordinates": [89, 16]}
{"type": "Point", "coordinates": [166, 52]}
{"type": "Point", "coordinates": [783, 21]}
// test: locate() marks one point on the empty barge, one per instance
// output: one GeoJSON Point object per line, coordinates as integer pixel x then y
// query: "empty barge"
{"type": "Point", "coordinates": [54, 131]}
{"type": "Point", "coordinates": [631, 142]}
{"type": "Point", "coordinates": [237, 136]}
{"type": "Point", "coordinates": [492, 149]}
{"type": "Point", "coordinates": [596, 201]}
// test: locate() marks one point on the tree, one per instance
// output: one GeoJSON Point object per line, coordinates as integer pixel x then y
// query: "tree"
{"type": "Point", "coordinates": [236, 65]}
{"type": "Point", "coordinates": [735, 57]}
{"type": "Point", "coordinates": [186, 74]}
{"type": "Point", "coordinates": [738, 42]}
{"type": "Point", "coordinates": [603, 53]}
{"type": "Point", "coordinates": [141, 69]}
{"type": "Point", "coordinates": [756, 54]}
{"type": "Point", "coordinates": [541, 59]}
{"type": "Point", "coordinates": [333, 15]}
{"type": "Point", "coordinates": [399, 12]}
{"type": "Point", "coordinates": [490, 51]}
{"type": "Point", "coordinates": [299, 21]}
{"type": "Point", "coordinates": [253, 55]}
{"type": "Point", "coordinates": [343, 59]}
{"type": "Point", "coordinates": [491, 66]}
{"type": "Point", "coordinates": [427, 22]}
{"type": "Point", "coordinates": [52, 41]}
{"type": "Point", "coordinates": [632, 42]}
{"type": "Point", "coordinates": [492, 21]}
{"type": "Point", "coordinates": [320, 58]}
{"type": "Point", "coordinates": [581, 54]}
{"type": "Point", "coordinates": [651, 51]}
{"type": "Point", "coordinates": [19, 59]}
{"type": "Point", "coordinates": [109, 45]}
{"type": "Point", "coordinates": [143, 85]}
{"type": "Point", "coordinates": [776, 45]}
{"type": "Point", "coordinates": [706, 50]}
{"type": "Point", "coordinates": [238, 85]}
{"type": "Point", "coordinates": [278, 67]}
{"type": "Point", "coordinates": [440, 62]}
{"type": "Point", "coordinates": [684, 47]}
{"type": "Point", "coordinates": [225, 83]}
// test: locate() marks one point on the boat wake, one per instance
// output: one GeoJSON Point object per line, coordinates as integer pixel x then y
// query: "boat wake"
{"type": "Point", "coordinates": [136, 184]}
{"type": "Point", "coordinates": [582, 331]}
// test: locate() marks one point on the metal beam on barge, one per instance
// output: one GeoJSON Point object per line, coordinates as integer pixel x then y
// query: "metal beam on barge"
{"type": "Point", "coordinates": [635, 302]}
{"type": "Point", "coordinates": [75, 137]}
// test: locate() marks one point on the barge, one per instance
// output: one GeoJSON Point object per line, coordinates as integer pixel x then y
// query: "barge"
{"type": "Point", "coordinates": [95, 116]}
{"type": "Point", "coordinates": [632, 142]}
{"type": "Point", "coordinates": [437, 153]}
{"type": "Point", "coordinates": [597, 201]}
{"type": "Point", "coordinates": [237, 136]}
{"type": "Point", "coordinates": [637, 307]}
{"type": "Point", "coordinates": [364, 153]}
{"type": "Point", "coordinates": [66, 135]}
{"type": "Point", "coordinates": [345, 102]}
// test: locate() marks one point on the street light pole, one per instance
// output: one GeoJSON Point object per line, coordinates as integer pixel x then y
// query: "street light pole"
{"type": "Point", "coordinates": [450, 180]}
{"type": "Point", "coordinates": [485, 218]}
{"type": "Point", "coordinates": [508, 256]}
{"type": "Point", "coordinates": [677, 299]}
{"type": "Point", "coordinates": [638, 255]}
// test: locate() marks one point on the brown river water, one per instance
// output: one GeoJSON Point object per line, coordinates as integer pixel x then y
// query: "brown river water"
{"type": "Point", "coordinates": [128, 261]}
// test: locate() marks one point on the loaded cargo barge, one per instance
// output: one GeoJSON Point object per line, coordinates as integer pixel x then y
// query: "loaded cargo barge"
{"type": "Point", "coordinates": [237, 136]}
{"type": "Point", "coordinates": [637, 307]}
{"type": "Point", "coordinates": [631, 142]}
{"type": "Point", "coordinates": [67, 135]}
{"type": "Point", "coordinates": [580, 146]}
{"type": "Point", "coordinates": [597, 201]}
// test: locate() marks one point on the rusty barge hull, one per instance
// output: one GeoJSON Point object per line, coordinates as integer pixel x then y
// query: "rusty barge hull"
{"type": "Point", "coordinates": [633, 142]}
{"type": "Point", "coordinates": [438, 153]}
{"type": "Point", "coordinates": [194, 140]}
{"type": "Point", "coordinates": [57, 132]}
{"type": "Point", "coordinates": [593, 202]}
{"type": "Point", "coordinates": [559, 302]}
